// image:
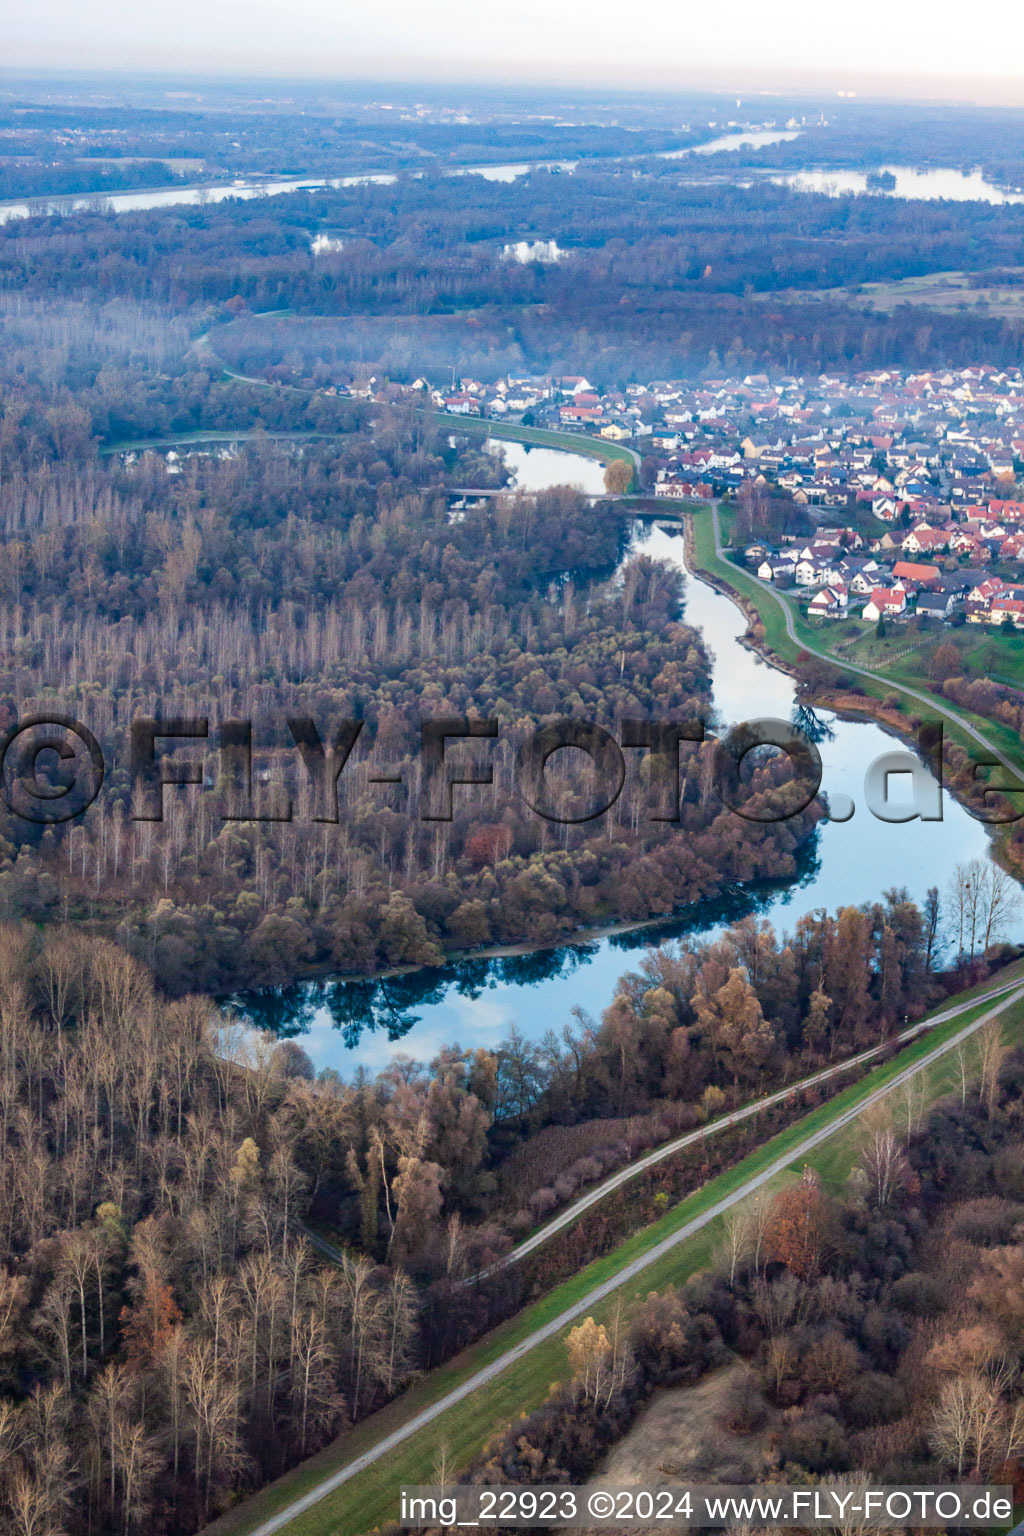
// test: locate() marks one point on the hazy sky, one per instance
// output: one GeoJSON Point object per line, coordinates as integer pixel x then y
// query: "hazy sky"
{"type": "Point", "coordinates": [872, 44]}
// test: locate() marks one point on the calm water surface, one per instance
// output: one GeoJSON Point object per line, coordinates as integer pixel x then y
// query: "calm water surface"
{"type": "Point", "coordinates": [535, 469]}
{"type": "Point", "coordinates": [957, 186]}
{"type": "Point", "coordinates": [748, 138]}
{"type": "Point", "coordinates": [169, 197]}
{"type": "Point", "coordinates": [962, 186]}
{"type": "Point", "coordinates": [342, 1024]}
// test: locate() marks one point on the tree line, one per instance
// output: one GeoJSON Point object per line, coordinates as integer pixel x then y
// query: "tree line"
{"type": "Point", "coordinates": [877, 1326]}
{"type": "Point", "coordinates": [169, 1336]}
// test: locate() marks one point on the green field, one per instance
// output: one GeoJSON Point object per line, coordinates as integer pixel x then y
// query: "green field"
{"type": "Point", "coordinates": [892, 677]}
{"type": "Point", "coordinates": [955, 290]}
{"type": "Point", "coordinates": [769, 610]}
{"type": "Point", "coordinates": [368, 1501]}
{"type": "Point", "coordinates": [984, 652]}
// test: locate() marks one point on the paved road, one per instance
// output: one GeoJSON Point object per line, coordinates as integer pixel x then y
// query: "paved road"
{"type": "Point", "coordinates": [689, 1138]}
{"type": "Point", "coordinates": [194, 439]}
{"type": "Point", "coordinates": [928, 699]}
{"type": "Point", "coordinates": [669, 1148]}
{"type": "Point", "coordinates": [629, 1272]}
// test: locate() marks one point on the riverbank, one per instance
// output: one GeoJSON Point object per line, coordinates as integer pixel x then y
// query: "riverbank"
{"type": "Point", "coordinates": [509, 1371]}
{"type": "Point", "coordinates": [479, 1000]}
{"type": "Point", "coordinates": [709, 569]}
{"type": "Point", "coordinates": [573, 938]}
{"type": "Point", "coordinates": [470, 426]}
{"type": "Point", "coordinates": [781, 636]}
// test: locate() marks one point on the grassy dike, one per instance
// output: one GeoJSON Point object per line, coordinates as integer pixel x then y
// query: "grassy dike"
{"type": "Point", "coordinates": [540, 437]}
{"type": "Point", "coordinates": [768, 605]}
{"type": "Point", "coordinates": [470, 426]}
{"type": "Point", "coordinates": [369, 1500]}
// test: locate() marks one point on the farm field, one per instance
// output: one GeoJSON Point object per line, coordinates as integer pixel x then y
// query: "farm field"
{"type": "Point", "coordinates": [931, 290]}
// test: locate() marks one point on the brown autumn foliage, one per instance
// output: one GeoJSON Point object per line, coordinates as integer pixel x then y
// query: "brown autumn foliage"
{"type": "Point", "coordinates": [797, 1224]}
{"type": "Point", "coordinates": [890, 1351]}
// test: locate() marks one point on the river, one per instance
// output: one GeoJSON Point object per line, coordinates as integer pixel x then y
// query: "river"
{"type": "Point", "coordinates": [748, 138]}
{"type": "Point", "coordinates": [475, 1003]}
{"type": "Point", "coordinates": [217, 192]}
{"type": "Point", "coordinates": [957, 185]}
{"type": "Point", "coordinates": [534, 469]}
{"type": "Point", "coordinates": [168, 197]}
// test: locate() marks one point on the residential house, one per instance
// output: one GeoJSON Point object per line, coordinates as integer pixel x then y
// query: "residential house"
{"type": "Point", "coordinates": [829, 603]}
{"type": "Point", "coordinates": [936, 605]}
{"type": "Point", "coordinates": [911, 570]}
{"type": "Point", "coordinates": [987, 590]}
{"type": "Point", "coordinates": [1007, 610]}
{"type": "Point", "coordinates": [925, 541]}
{"type": "Point", "coordinates": [777, 569]}
{"type": "Point", "coordinates": [462, 405]}
{"type": "Point", "coordinates": [885, 604]}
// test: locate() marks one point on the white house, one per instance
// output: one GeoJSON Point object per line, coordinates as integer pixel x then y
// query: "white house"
{"type": "Point", "coordinates": [885, 604]}
{"type": "Point", "coordinates": [829, 603]}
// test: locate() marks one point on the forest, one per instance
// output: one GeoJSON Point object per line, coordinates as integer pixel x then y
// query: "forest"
{"type": "Point", "coordinates": [326, 580]}
{"type": "Point", "coordinates": [168, 1335]}
{"type": "Point", "coordinates": [213, 1260]}
{"type": "Point", "coordinates": [664, 276]}
{"type": "Point", "coordinates": [51, 147]}
{"type": "Point", "coordinates": [871, 1335]}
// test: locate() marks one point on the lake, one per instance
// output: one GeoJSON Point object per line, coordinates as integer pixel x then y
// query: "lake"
{"type": "Point", "coordinates": [958, 186]}
{"type": "Point", "coordinates": [534, 469]}
{"type": "Point", "coordinates": [475, 1003]}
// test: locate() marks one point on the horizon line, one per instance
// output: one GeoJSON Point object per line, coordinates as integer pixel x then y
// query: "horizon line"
{"type": "Point", "coordinates": [851, 88]}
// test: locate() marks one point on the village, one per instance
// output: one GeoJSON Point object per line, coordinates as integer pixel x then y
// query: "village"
{"type": "Point", "coordinates": [909, 480]}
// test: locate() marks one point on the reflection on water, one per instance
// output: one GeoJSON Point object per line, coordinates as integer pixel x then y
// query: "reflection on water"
{"type": "Point", "coordinates": [748, 138]}
{"type": "Point", "coordinates": [378, 1012]}
{"type": "Point", "coordinates": [535, 469]}
{"type": "Point", "coordinates": [477, 1001]}
{"type": "Point", "coordinates": [958, 186]}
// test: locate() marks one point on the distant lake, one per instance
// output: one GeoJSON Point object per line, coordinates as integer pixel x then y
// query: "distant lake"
{"type": "Point", "coordinates": [957, 186]}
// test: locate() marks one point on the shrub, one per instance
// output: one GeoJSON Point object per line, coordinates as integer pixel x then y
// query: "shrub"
{"type": "Point", "coordinates": [875, 1399]}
